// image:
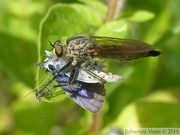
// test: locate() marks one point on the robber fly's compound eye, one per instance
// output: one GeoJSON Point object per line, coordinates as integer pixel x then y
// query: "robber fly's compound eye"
{"type": "Point", "coordinates": [58, 48]}
{"type": "Point", "coordinates": [51, 67]}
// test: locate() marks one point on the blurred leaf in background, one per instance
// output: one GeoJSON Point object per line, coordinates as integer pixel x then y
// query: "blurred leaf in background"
{"type": "Point", "coordinates": [148, 97]}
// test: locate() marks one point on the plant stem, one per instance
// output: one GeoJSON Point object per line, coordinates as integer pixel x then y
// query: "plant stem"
{"type": "Point", "coordinates": [114, 8]}
{"type": "Point", "coordinates": [96, 123]}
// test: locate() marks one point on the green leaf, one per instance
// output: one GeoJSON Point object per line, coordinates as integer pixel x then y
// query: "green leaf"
{"type": "Point", "coordinates": [159, 27]}
{"type": "Point", "coordinates": [23, 21]}
{"type": "Point", "coordinates": [161, 109]}
{"type": "Point", "coordinates": [176, 27]}
{"type": "Point", "coordinates": [15, 60]}
{"type": "Point", "coordinates": [96, 5]}
{"type": "Point", "coordinates": [62, 22]}
{"type": "Point", "coordinates": [92, 18]}
{"type": "Point", "coordinates": [119, 29]}
{"type": "Point", "coordinates": [137, 16]}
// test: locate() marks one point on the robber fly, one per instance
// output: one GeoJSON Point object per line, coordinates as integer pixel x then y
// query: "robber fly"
{"type": "Point", "coordinates": [80, 49]}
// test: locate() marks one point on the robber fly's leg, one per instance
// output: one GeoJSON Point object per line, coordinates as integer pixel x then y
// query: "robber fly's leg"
{"type": "Point", "coordinates": [66, 67]}
{"type": "Point", "coordinates": [45, 86]}
{"type": "Point", "coordinates": [73, 71]}
{"type": "Point", "coordinates": [73, 74]}
{"type": "Point", "coordinates": [46, 92]}
{"type": "Point", "coordinates": [94, 75]}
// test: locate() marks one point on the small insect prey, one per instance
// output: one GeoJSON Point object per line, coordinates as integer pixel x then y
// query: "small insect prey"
{"type": "Point", "coordinates": [86, 88]}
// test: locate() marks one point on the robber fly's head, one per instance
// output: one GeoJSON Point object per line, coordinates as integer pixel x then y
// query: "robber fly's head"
{"type": "Point", "coordinates": [58, 48]}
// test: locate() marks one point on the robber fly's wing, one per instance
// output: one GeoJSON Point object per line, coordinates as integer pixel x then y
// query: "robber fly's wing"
{"type": "Point", "coordinates": [121, 49]}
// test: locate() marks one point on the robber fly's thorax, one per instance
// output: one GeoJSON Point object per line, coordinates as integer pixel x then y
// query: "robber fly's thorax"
{"type": "Point", "coordinates": [77, 46]}
{"type": "Point", "coordinates": [79, 42]}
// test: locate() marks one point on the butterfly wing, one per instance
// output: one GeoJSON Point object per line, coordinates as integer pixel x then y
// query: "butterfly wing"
{"type": "Point", "coordinates": [91, 97]}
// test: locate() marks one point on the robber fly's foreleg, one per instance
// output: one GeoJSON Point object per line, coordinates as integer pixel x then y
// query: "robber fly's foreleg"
{"type": "Point", "coordinates": [73, 73]}
{"type": "Point", "coordinates": [46, 92]}
{"type": "Point", "coordinates": [103, 81]}
{"type": "Point", "coordinates": [63, 69]}
{"type": "Point", "coordinates": [45, 86]}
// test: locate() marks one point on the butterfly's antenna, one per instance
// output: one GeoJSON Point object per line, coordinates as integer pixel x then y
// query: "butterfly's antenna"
{"type": "Point", "coordinates": [37, 87]}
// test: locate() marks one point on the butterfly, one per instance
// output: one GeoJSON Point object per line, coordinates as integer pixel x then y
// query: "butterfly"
{"type": "Point", "coordinates": [86, 89]}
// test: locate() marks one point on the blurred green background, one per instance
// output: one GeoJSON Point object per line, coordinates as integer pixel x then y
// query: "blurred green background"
{"type": "Point", "coordinates": [148, 97]}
